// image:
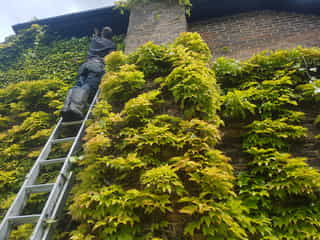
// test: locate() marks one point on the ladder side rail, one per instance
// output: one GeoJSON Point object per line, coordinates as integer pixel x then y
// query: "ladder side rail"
{"type": "Point", "coordinates": [52, 199]}
{"type": "Point", "coordinates": [64, 193]}
{"type": "Point", "coordinates": [43, 155]}
{"type": "Point", "coordinates": [65, 167]}
{"type": "Point", "coordinates": [5, 229]}
{"type": "Point", "coordinates": [48, 232]}
{"type": "Point", "coordinates": [38, 230]}
{"type": "Point", "coordinates": [20, 199]}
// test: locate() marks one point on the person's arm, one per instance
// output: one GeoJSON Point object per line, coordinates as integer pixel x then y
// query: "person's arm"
{"type": "Point", "coordinates": [96, 32]}
{"type": "Point", "coordinates": [113, 47]}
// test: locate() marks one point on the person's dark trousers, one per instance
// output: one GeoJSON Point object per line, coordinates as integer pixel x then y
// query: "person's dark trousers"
{"type": "Point", "coordinates": [90, 74]}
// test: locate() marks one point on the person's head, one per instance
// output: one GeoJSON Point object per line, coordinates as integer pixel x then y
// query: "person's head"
{"type": "Point", "coordinates": [107, 32]}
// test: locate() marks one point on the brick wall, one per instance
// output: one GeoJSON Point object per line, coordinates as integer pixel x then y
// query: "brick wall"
{"type": "Point", "coordinates": [160, 22]}
{"type": "Point", "coordinates": [245, 34]}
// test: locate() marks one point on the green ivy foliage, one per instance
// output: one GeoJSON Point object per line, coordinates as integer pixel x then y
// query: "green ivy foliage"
{"type": "Point", "coordinates": [36, 70]}
{"type": "Point", "coordinates": [28, 111]}
{"type": "Point", "coordinates": [33, 55]}
{"type": "Point", "coordinates": [151, 169]}
{"type": "Point", "coordinates": [128, 4]}
{"type": "Point", "coordinates": [267, 92]}
{"type": "Point", "coordinates": [151, 60]}
{"type": "Point", "coordinates": [14, 46]}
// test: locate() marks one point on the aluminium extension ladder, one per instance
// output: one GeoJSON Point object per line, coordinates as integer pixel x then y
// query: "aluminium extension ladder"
{"type": "Point", "coordinates": [58, 191]}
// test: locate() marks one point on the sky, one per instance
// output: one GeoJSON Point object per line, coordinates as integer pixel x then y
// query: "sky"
{"type": "Point", "coordinates": [19, 11]}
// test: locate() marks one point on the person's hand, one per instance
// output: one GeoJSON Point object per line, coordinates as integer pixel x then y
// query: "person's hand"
{"type": "Point", "coordinates": [96, 32]}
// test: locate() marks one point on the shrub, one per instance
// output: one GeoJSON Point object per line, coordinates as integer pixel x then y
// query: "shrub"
{"type": "Point", "coordinates": [150, 59]}
{"type": "Point", "coordinates": [152, 168]}
{"type": "Point", "coordinates": [119, 87]}
{"type": "Point", "coordinates": [114, 61]}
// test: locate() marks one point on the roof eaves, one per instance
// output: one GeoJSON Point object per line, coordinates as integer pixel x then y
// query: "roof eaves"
{"type": "Point", "coordinates": [61, 18]}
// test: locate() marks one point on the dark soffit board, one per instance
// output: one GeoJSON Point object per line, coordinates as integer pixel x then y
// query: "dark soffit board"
{"type": "Point", "coordinates": [82, 23]}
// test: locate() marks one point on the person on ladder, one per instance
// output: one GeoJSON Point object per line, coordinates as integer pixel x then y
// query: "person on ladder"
{"type": "Point", "coordinates": [89, 76]}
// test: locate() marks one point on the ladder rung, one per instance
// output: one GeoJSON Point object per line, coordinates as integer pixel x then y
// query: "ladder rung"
{"type": "Point", "coordinates": [39, 188]}
{"type": "Point", "coordinates": [62, 140]}
{"type": "Point", "coordinates": [51, 161]}
{"type": "Point", "coordinates": [71, 123]}
{"type": "Point", "coordinates": [58, 190]}
{"type": "Point", "coordinates": [24, 219]}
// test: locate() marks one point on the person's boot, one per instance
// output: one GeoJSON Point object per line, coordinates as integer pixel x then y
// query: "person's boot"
{"type": "Point", "coordinates": [66, 107]}
{"type": "Point", "coordinates": [75, 104]}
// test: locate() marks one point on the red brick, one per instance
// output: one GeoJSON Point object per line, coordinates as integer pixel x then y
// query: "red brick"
{"type": "Point", "coordinates": [246, 34]}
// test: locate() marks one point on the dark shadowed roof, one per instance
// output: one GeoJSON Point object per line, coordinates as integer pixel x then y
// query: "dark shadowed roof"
{"type": "Point", "coordinates": [82, 23]}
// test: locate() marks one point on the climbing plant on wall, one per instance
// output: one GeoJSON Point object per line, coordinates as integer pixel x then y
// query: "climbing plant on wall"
{"type": "Point", "coordinates": [150, 157]}
{"type": "Point", "coordinates": [128, 4]}
{"type": "Point", "coordinates": [35, 73]}
{"type": "Point", "coordinates": [151, 162]}
{"type": "Point", "coordinates": [14, 46]}
{"type": "Point", "coordinates": [151, 167]}
{"type": "Point", "coordinates": [270, 95]}
{"type": "Point", "coordinates": [33, 54]}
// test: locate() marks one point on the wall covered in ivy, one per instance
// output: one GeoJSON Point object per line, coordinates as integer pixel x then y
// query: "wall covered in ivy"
{"type": "Point", "coordinates": [267, 99]}
{"type": "Point", "coordinates": [157, 161]}
{"type": "Point", "coordinates": [33, 54]}
{"type": "Point", "coordinates": [36, 70]}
